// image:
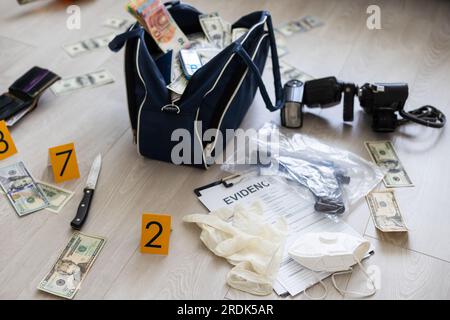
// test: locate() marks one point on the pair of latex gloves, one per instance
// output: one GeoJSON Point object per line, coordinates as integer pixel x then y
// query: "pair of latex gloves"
{"type": "Point", "coordinates": [243, 237]}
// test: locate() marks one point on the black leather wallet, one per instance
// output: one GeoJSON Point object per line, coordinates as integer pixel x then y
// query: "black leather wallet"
{"type": "Point", "coordinates": [24, 93]}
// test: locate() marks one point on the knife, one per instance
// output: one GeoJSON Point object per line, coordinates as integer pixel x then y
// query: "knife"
{"type": "Point", "coordinates": [88, 191]}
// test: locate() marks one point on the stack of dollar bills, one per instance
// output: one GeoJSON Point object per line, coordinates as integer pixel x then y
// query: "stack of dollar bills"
{"type": "Point", "coordinates": [383, 205]}
{"type": "Point", "coordinates": [28, 196]}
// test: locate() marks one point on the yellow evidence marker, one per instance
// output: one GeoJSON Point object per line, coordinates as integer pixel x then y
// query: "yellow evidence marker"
{"type": "Point", "coordinates": [63, 160]}
{"type": "Point", "coordinates": [7, 146]}
{"type": "Point", "coordinates": [155, 233]}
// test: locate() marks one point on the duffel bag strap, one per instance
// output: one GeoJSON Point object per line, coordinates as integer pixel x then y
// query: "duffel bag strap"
{"type": "Point", "coordinates": [279, 97]}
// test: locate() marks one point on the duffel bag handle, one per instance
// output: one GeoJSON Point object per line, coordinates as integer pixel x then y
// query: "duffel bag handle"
{"type": "Point", "coordinates": [279, 96]}
{"type": "Point", "coordinates": [171, 3]}
{"type": "Point", "coordinates": [119, 41]}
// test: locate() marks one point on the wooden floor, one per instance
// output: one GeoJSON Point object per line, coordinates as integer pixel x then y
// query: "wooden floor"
{"type": "Point", "coordinates": [413, 46]}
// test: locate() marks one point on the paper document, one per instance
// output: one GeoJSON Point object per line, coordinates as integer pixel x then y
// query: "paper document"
{"type": "Point", "coordinates": [279, 198]}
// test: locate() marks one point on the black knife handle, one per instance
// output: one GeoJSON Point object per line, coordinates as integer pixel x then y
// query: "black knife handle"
{"type": "Point", "coordinates": [83, 209]}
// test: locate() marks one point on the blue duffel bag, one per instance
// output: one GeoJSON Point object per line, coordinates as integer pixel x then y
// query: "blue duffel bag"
{"type": "Point", "coordinates": [217, 96]}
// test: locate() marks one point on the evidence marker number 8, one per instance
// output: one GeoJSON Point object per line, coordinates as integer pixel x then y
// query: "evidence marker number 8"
{"type": "Point", "coordinates": [7, 146]}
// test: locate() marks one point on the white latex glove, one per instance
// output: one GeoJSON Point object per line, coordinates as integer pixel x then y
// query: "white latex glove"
{"type": "Point", "coordinates": [252, 245]}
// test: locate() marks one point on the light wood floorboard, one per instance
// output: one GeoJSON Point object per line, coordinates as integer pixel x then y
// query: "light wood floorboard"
{"type": "Point", "coordinates": [413, 46]}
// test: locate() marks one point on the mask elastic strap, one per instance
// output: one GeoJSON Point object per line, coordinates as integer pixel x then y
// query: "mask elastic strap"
{"type": "Point", "coordinates": [354, 293]}
{"type": "Point", "coordinates": [323, 296]}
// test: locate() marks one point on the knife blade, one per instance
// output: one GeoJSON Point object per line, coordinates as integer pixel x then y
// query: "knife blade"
{"type": "Point", "coordinates": [83, 208]}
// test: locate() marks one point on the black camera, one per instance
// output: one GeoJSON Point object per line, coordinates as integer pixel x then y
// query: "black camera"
{"type": "Point", "coordinates": [385, 102]}
{"type": "Point", "coordinates": [382, 101]}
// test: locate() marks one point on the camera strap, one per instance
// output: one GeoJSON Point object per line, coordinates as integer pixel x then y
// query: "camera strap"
{"type": "Point", "coordinates": [428, 116]}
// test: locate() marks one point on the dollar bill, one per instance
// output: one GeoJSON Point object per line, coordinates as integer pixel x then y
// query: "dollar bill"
{"type": "Point", "coordinates": [21, 189]}
{"type": "Point", "coordinates": [88, 45]}
{"type": "Point", "coordinates": [175, 96]}
{"type": "Point", "coordinates": [282, 48]}
{"type": "Point", "coordinates": [291, 27]}
{"type": "Point", "coordinates": [299, 75]}
{"type": "Point", "coordinates": [385, 211]}
{"type": "Point", "coordinates": [176, 70]}
{"type": "Point", "coordinates": [164, 30]}
{"type": "Point", "coordinates": [206, 54]}
{"type": "Point", "coordinates": [289, 72]}
{"type": "Point", "coordinates": [179, 85]}
{"type": "Point", "coordinates": [282, 51]}
{"type": "Point", "coordinates": [228, 38]}
{"type": "Point", "coordinates": [236, 33]}
{"type": "Point", "coordinates": [57, 197]}
{"type": "Point", "coordinates": [90, 80]}
{"type": "Point", "coordinates": [214, 28]}
{"type": "Point", "coordinates": [300, 25]}
{"type": "Point", "coordinates": [311, 22]}
{"type": "Point", "coordinates": [116, 23]}
{"type": "Point", "coordinates": [285, 67]}
{"type": "Point", "coordinates": [72, 266]}
{"type": "Point", "coordinates": [384, 155]}
{"type": "Point", "coordinates": [198, 40]}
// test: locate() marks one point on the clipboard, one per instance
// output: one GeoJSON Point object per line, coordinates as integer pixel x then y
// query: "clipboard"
{"type": "Point", "coordinates": [227, 182]}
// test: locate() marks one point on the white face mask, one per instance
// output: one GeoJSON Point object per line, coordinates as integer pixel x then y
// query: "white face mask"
{"type": "Point", "coordinates": [331, 252]}
{"type": "Point", "coordinates": [328, 251]}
